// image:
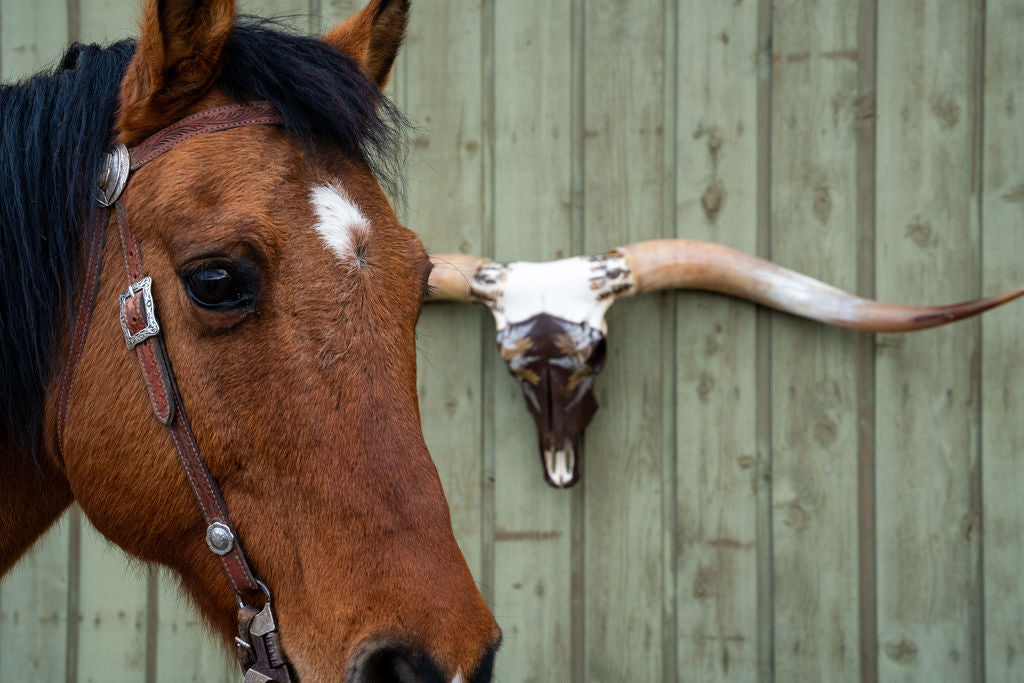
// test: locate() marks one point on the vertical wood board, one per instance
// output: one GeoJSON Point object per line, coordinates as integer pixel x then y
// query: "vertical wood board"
{"type": "Point", "coordinates": [624, 201]}
{"type": "Point", "coordinates": [716, 453]}
{"type": "Point", "coordinates": [926, 436]}
{"type": "Point", "coordinates": [532, 197]}
{"type": "Point", "coordinates": [444, 207]}
{"type": "Point", "coordinates": [813, 380]}
{"type": "Point", "coordinates": [1002, 358]}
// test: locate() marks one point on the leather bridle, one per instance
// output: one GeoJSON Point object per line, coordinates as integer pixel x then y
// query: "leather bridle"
{"type": "Point", "coordinates": [258, 642]}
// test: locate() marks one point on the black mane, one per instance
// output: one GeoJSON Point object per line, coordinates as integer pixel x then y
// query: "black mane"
{"type": "Point", "coordinates": [55, 127]}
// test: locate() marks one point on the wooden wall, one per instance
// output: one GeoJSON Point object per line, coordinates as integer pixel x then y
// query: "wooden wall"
{"type": "Point", "coordinates": [764, 498]}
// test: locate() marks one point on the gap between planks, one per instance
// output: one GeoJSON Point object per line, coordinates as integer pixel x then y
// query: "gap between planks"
{"type": "Point", "coordinates": [867, 593]}
{"type": "Point", "coordinates": [976, 572]}
{"type": "Point", "coordinates": [578, 245]}
{"type": "Point", "coordinates": [670, 401]}
{"type": "Point", "coordinates": [765, 568]}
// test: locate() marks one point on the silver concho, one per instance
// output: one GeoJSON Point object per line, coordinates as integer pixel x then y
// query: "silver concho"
{"type": "Point", "coordinates": [113, 175]}
{"type": "Point", "coordinates": [219, 538]}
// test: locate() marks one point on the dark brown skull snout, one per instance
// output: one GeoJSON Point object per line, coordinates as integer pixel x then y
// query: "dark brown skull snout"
{"type": "Point", "coordinates": [555, 362]}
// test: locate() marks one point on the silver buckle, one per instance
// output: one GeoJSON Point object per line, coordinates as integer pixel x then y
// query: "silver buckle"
{"type": "Point", "coordinates": [152, 328]}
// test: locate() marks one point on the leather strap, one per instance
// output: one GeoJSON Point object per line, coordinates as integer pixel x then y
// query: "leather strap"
{"type": "Point", "coordinates": [260, 654]}
{"type": "Point", "coordinates": [167, 406]}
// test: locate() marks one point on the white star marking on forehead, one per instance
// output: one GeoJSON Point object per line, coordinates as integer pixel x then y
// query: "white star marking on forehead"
{"type": "Point", "coordinates": [342, 226]}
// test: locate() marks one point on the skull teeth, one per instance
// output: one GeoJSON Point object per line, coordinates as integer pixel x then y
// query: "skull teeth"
{"type": "Point", "coordinates": [560, 465]}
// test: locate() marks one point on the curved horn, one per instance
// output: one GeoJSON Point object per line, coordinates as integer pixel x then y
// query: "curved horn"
{"type": "Point", "coordinates": [452, 275]}
{"type": "Point", "coordinates": [675, 263]}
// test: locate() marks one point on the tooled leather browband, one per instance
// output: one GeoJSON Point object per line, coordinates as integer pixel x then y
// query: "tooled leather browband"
{"type": "Point", "coordinates": [258, 647]}
{"type": "Point", "coordinates": [209, 121]}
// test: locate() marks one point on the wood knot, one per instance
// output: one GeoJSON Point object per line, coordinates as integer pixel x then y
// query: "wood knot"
{"type": "Point", "coordinates": [794, 515]}
{"type": "Point", "coordinates": [705, 386]}
{"type": "Point", "coordinates": [822, 204]}
{"type": "Point", "coordinates": [825, 432]}
{"type": "Point", "coordinates": [904, 652]}
{"type": "Point", "coordinates": [920, 233]}
{"type": "Point", "coordinates": [946, 110]}
{"type": "Point", "coordinates": [712, 199]}
{"type": "Point", "coordinates": [714, 142]}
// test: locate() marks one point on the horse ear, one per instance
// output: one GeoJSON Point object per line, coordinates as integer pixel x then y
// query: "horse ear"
{"type": "Point", "coordinates": [372, 37]}
{"type": "Point", "coordinates": [177, 60]}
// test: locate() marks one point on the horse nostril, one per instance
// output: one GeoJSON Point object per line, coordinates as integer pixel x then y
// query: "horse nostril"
{"type": "Point", "coordinates": [393, 663]}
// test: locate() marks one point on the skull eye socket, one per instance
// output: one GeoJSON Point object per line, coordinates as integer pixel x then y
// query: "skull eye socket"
{"type": "Point", "coordinates": [220, 286]}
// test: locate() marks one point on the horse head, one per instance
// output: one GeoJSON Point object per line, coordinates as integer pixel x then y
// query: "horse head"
{"type": "Point", "coordinates": [287, 293]}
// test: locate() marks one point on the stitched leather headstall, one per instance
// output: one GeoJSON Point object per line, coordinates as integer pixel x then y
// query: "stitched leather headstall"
{"type": "Point", "coordinates": [258, 643]}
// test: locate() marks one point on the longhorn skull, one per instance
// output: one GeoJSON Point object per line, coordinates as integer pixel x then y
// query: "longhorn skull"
{"type": "Point", "coordinates": [551, 328]}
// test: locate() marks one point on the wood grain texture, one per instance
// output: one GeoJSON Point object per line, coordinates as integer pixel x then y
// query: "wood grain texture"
{"type": "Point", "coordinates": [927, 383]}
{"type": "Point", "coordinates": [532, 205]}
{"type": "Point", "coordinates": [814, 377]}
{"type": "Point", "coordinates": [867, 537]}
{"type": "Point", "coordinates": [1002, 437]}
{"type": "Point", "coordinates": [104, 21]}
{"type": "Point", "coordinates": [716, 457]}
{"type": "Point", "coordinates": [32, 35]}
{"type": "Point", "coordinates": [624, 191]}
{"type": "Point", "coordinates": [445, 198]}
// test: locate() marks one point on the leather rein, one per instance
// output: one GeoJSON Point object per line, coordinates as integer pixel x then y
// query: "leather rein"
{"type": "Point", "coordinates": [258, 642]}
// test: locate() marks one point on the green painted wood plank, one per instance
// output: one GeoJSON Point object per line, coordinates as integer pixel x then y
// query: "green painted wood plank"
{"type": "Point", "coordinates": [532, 198]}
{"type": "Point", "coordinates": [32, 35]}
{"type": "Point", "coordinates": [187, 650]}
{"type": "Point", "coordinates": [814, 371]}
{"type": "Point", "coordinates": [624, 485]}
{"type": "Point", "coordinates": [716, 457]}
{"type": "Point", "coordinates": [33, 611]}
{"type": "Point", "coordinates": [441, 89]}
{"type": "Point", "coordinates": [104, 21]}
{"type": "Point", "coordinates": [1002, 360]}
{"type": "Point", "coordinates": [112, 631]}
{"type": "Point", "coordinates": [926, 435]}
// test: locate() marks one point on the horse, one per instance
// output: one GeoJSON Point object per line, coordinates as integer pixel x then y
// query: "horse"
{"type": "Point", "coordinates": [272, 302]}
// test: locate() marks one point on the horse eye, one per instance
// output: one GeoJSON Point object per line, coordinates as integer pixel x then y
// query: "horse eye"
{"type": "Point", "coordinates": [216, 287]}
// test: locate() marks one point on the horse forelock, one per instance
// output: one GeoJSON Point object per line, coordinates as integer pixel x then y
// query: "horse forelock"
{"type": "Point", "coordinates": [56, 126]}
{"type": "Point", "coordinates": [323, 95]}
